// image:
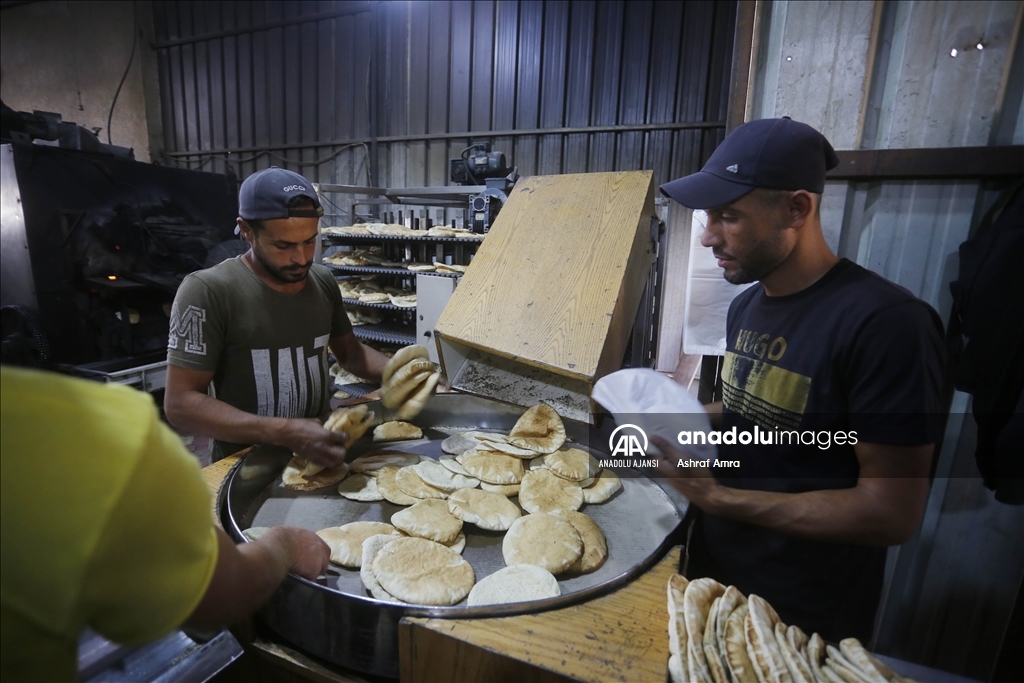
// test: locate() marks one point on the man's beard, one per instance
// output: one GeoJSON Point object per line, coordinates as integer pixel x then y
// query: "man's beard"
{"type": "Point", "coordinates": [288, 275]}
{"type": "Point", "coordinates": [760, 262]}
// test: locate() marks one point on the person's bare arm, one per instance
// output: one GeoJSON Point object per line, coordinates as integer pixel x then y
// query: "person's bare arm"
{"type": "Point", "coordinates": [884, 508]}
{"type": "Point", "coordinates": [248, 573]}
{"type": "Point", "coordinates": [358, 358]}
{"type": "Point", "coordinates": [189, 407]}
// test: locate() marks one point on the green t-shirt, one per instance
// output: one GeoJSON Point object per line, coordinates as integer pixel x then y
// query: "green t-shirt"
{"type": "Point", "coordinates": [268, 350]}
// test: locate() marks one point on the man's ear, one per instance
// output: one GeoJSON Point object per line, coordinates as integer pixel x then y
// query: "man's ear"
{"type": "Point", "coordinates": [244, 229]}
{"type": "Point", "coordinates": [801, 207]}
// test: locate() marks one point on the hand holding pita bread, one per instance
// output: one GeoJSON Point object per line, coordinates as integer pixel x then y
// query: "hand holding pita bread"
{"type": "Point", "coordinates": [698, 484]}
{"type": "Point", "coordinates": [311, 440]}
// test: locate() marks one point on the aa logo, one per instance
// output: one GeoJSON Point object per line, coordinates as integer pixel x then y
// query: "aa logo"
{"type": "Point", "coordinates": [626, 441]}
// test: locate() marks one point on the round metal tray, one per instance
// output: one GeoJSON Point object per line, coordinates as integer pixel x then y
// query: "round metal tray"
{"type": "Point", "coordinates": [336, 619]}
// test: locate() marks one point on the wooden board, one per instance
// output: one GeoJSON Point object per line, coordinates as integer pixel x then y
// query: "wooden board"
{"type": "Point", "coordinates": [619, 637]}
{"type": "Point", "coordinates": [558, 280]}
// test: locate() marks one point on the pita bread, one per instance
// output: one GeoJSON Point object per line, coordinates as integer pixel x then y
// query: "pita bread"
{"type": "Point", "coordinates": [539, 429]}
{"type": "Point", "coordinates": [459, 544]}
{"type": "Point", "coordinates": [396, 431]}
{"type": "Point", "coordinates": [492, 467]}
{"type": "Point", "coordinates": [499, 442]}
{"type": "Point", "coordinates": [411, 484]}
{"type": "Point", "coordinates": [572, 464]}
{"type": "Point", "coordinates": [507, 490]}
{"type": "Point", "coordinates": [415, 403]}
{"type": "Point", "coordinates": [450, 268]}
{"type": "Point", "coordinates": [542, 491]}
{"type": "Point", "coordinates": [740, 666]}
{"type": "Point", "coordinates": [402, 357]}
{"type": "Point", "coordinates": [371, 546]}
{"type": "Point", "coordinates": [429, 519]}
{"type": "Point", "coordinates": [595, 546]}
{"type": "Point", "coordinates": [677, 639]}
{"type": "Point", "coordinates": [394, 395]}
{"type": "Point", "coordinates": [518, 583]}
{"type": "Point", "coordinates": [254, 532]}
{"type": "Point", "coordinates": [847, 669]}
{"type": "Point", "coordinates": [360, 487]}
{"type": "Point", "coordinates": [796, 638]}
{"type": "Point", "coordinates": [544, 540]}
{"type": "Point", "coordinates": [606, 484]}
{"type": "Point", "coordinates": [353, 421]}
{"type": "Point", "coordinates": [457, 444]}
{"type": "Point", "coordinates": [830, 675]}
{"type": "Point", "coordinates": [732, 599]}
{"type": "Point", "coordinates": [857, 656]}
{"type": "Point", "coordinates": [403, 300]}
{"type": "Point", "coordinates": [486, 510]}
{"type": "Point", "coordinates": [676, 670]}
{"type": "Point", "coordinates": [346, 541]}
{"type": "Point", "coordinates": [371, 464]}
{"type": "Point", "coordinates": [799, 668]}
{"type": "Point", "coordinates": [440, 477]}
{"type": "Point", "coordinates": [762, 648]}
{"type": "Point", "coordinates": [421, 267]}
{"type": "Point", "coordinates": [422, 572]}
{"type": "Point", "coordinates": [834, 670]}
{"type": "Point", "coordinates": [710, 644]}
{"type": "Point", "coordinates": [389, 488]}
{"type": "Point", "coordinates": [451, 464]}
{"type": "Point", "coordinates": [697, 601]}
{"type": "Point", "coordinates": [816, 657]}
{"type": "Point", "coordinates": [292, 476]}
{"type": "Point", "coordinates": [537, 463]}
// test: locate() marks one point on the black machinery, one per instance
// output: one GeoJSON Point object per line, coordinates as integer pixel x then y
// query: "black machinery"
{"type": "Point", "coordinates": [95, 244]}
{"type": "Point", "coordinates": [478, 165]}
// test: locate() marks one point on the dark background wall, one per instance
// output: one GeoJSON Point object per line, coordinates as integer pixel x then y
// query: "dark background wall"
{"type": "Point", "coordinates": [385, 93]}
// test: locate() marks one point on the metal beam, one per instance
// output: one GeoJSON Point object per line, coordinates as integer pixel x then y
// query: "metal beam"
{"type": "Point", "coordinates": [942, 163]}
{"type": "Point", "coordinates": [291, 21]}
{"type": "Point", "coordinates": [426, 137]}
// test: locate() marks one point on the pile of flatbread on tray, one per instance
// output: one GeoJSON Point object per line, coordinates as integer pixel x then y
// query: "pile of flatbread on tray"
{"type": "Point", "coordinates": [417, 557]}
{"type": "Point", "coordinates": [716, 635]}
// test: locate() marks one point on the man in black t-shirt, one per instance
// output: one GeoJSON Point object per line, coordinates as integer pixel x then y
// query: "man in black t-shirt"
{"type": "Point", "coordinates": [832, 372]}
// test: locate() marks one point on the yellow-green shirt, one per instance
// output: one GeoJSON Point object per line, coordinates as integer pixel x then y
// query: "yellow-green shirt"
{"type": "Point", "coordinates": [104, 522]}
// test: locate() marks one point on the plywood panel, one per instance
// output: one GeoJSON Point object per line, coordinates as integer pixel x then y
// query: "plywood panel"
{"type": "Point", "coordinates": [558, 279]}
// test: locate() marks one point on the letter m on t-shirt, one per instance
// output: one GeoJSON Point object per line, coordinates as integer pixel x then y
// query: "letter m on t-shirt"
{"type": "Point", "coordinates": [187, 327]}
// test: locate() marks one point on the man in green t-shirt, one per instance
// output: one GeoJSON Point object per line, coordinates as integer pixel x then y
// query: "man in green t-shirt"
{"type": "Point", "coordinates": [258, 328]}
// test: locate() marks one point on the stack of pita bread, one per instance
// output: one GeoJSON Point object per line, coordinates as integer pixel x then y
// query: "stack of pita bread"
{"type": "Point", "coordinates": [346, 230]}
{"type": "Point", "coordinates": [716, 635]}
{"type": "Point", "coordinates": [358, 316]}
{"type": "Point", "coordinates": [302, 475]}
{"type": "Point", "coordinates": [446, 231]}
{"type": "Point", "coordinates": [441, 496]}
{"type": "Point", "coordinates": [408, 381]}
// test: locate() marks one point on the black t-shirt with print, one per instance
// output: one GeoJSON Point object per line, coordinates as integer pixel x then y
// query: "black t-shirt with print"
{"type": "Point", "coordinates": [851, 353]}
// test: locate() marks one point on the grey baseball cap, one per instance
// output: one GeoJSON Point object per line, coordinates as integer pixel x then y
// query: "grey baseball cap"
{"type": "Point", "coordinates": [265, 195]}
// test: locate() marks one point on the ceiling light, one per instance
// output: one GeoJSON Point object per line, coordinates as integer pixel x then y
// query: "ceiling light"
{"type": "Point", "coordinates": [980, 46]}
{"type": "Point", "coordinates": [952, 53]}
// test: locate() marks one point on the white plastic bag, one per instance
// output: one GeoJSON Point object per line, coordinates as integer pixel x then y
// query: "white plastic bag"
{"type": "Point", "coordinates": [657, 405]}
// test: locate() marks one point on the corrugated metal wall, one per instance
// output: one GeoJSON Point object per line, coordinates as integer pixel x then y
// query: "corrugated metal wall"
{"type": "Point", "coordinates": [560, 87]}
{"type": "Point", "coordinates": [876, 75]}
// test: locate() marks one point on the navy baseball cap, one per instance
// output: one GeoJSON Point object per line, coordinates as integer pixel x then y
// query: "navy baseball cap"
{"type": "Point", "coordinates": [265, 195]}
{"type": "Point", "coordinates": [777, 154]}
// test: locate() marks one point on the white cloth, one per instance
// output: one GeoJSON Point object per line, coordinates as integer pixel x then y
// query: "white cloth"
{"type": "Point", "coordinates": [708, 296]}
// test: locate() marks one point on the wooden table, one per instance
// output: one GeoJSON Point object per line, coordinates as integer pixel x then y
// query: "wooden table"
{"type": "Point", "coordinates": [622, 636]}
